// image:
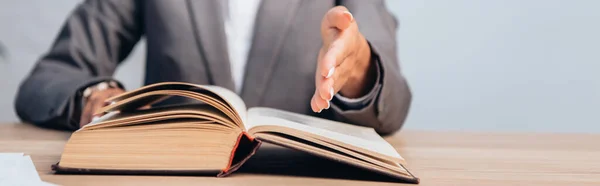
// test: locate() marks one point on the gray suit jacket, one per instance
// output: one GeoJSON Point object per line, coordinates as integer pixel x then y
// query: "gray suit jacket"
{"type": "Point", "coordinates": [186, 42]}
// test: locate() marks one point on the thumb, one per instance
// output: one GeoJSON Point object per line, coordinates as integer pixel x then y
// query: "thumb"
{"type": "Point", "coordinates": [337, 18]}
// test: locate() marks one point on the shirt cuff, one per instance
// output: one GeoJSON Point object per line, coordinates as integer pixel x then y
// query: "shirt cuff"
{"type": "Point", "coordinates": [345, 103]}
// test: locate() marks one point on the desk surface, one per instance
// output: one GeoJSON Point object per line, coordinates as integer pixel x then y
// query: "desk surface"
{"type": "Point", "coordinates": [438, 158]}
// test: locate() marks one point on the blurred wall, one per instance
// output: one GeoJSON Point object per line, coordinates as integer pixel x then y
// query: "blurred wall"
{"type": "Point", "coordinates": [473, 65]}
{"type": "Point", "coordinates": [509, 65]}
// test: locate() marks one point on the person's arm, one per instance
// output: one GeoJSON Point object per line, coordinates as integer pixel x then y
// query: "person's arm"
{"type": "Point", "coordinates": [379, 96]}
{"type": "Point", "coordinates": [384, 107]}
{"type": "Point", "coordinates": [95, 38]}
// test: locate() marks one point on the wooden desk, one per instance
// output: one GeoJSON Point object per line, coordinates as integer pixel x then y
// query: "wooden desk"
{"type": "Point", "coordinates": [438, 158]}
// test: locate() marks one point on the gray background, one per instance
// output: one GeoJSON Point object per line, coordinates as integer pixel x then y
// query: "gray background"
{"type": "Point", "coordinates": [507, 65]}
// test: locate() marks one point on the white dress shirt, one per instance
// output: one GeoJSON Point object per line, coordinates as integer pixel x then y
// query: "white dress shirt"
{"type": "Point", "coordinates": [239, 28]}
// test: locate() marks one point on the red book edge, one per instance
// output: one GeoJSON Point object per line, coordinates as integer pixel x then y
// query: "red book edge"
{"type": "Point", "coordinates": [244, 148]}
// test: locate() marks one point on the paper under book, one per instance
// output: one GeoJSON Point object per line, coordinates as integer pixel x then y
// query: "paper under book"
{"type": "Point", "coordinates": [216, 137]}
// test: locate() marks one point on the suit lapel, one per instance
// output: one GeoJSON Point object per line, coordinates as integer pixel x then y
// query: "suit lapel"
{"type": "Point", "coordinates": [273, 20]}
{"type": "Point", "coordinates": [207, 20]}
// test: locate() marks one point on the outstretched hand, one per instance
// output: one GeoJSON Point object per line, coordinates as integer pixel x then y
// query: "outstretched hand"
{"type": "Point", "coordinates": [344, 62]}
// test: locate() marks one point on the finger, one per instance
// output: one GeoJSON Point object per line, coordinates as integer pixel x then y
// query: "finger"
{"type": "Point", "coordinates": [337, 18]}
{"type": "Point", "coordinates": [319, 71]}
{"type": "Point", "coordinates": [313, 105]}
{"type": "Point", "coordinates": [320, 103]}
{"type": "Point", "coordinates": [334, 56]}
{"type": "Point", "coordinates": [341, 77]}
{"type": "Point", "coordinates": [325, 88]}
{"type": "Point", "coordinates": [336, 49]}
{"type": "Point", "coordinates": [108, 100]}
{"type": "Point", "coordinates": [112, 93]}
{"type": "Point", "coordinates": [86, 114]}
{"type": "Point", "coordinates": [101, 101]}
{"type": "Point", "coordinates": [95, 105]}
{"type": "Point", "coordinates": [105, 99]}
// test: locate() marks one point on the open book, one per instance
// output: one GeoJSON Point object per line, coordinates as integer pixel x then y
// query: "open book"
{"type": "Point", "coordinates": [216, 137]}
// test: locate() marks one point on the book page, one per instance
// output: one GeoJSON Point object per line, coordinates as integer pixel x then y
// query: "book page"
{"type": "Point", "coordinates": [191, 112]}
{"type": "Point", "coordinates": [156, 92]}
{"type": "Point", "coordinates": [352, 135]}
{"type": "Point", "coordinates": [391, 170]}
{"type": "Point", "coordinates": [233, 99]}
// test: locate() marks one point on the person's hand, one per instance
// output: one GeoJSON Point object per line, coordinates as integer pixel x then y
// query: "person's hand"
{"type": "Point", "coordinates": [95, 101]}
{"type": "Point", "coordinates": [344, 62]}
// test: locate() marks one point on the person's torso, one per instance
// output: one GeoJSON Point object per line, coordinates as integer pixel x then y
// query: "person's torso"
{"type": "Point", "coordinates": [186, 42]}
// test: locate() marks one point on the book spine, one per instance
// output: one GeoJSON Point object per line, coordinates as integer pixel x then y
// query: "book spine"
{"type": "Point", "coordinates": [245, 147]}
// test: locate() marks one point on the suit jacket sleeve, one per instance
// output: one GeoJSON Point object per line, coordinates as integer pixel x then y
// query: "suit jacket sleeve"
{"type": "Point", "coordinates": [387, 112]}
{"type": "Point", "coordinates": [97, 36]}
